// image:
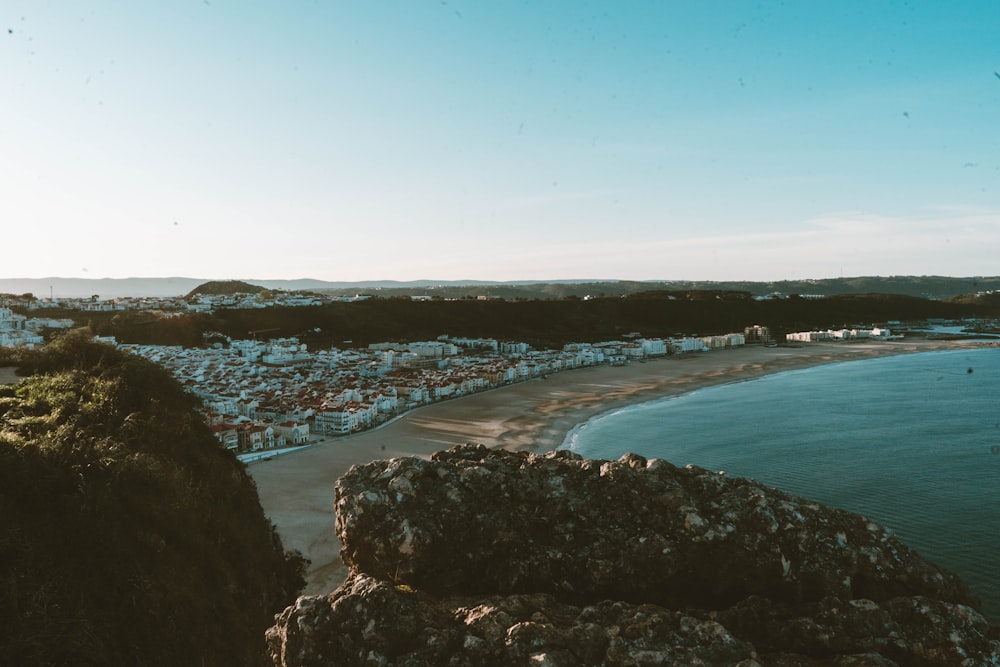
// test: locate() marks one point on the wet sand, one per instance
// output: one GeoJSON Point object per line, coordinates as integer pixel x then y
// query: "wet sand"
{"type": "Point", "coordinates": [296, 490]}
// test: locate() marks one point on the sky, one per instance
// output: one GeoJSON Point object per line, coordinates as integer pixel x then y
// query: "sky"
{"type": "Point", "coordinates": [499, 140]}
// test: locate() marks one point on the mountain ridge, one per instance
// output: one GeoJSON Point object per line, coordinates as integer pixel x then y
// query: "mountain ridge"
{"type": "Point", "coordinates": [935, 287]}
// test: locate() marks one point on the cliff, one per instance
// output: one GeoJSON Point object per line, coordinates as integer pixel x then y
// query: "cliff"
{"type": "Point", "coordinates": [493, 557]}
{"type": "Point", "coordinates": [128, 536]}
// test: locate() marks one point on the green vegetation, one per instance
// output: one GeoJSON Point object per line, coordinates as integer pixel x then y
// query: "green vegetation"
{"type": "Point", "coordinates": [542, 323]}
{"type": "Point", "coordinates": [127, 535]}
{"type": "Point", "coordinates": [225, 287]}
{"type": "Point", "coordinates": [150, 328]}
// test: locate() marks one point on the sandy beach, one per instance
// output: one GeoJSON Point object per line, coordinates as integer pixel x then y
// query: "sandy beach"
{"type": "Point", "coordinates": [296, 490]}
{"type": "Point", "coordinates": [8, 375]}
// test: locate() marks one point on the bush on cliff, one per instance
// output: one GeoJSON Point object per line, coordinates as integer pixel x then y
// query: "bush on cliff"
{"type": "Point", "coordinates": [127, 535]}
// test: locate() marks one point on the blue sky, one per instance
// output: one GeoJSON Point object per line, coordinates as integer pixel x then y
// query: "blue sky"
{"type": "Point", "coordinates": [499, 140]}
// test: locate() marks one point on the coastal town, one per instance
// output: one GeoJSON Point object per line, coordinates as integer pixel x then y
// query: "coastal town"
{"type": "Point", "coordinates": [265, 395]}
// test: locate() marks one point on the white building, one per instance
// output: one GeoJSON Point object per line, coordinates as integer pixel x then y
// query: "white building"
{"type": "Point", "coordinates": [293, 432]}
{"type": "Point", "coordinates": [477, 343]}
{"type": "Point", "coordinates": [837, 335]}
{"type": "Point", "coordinates": [735, 340]}
{"type": "Point", "coordinates": [13, 332]}
{"type": "Point", "coordinates": [38, 323]}
{"type": "Point", "coordinates": [433, 349]}
{"type": "Point", "coordinates": [654, 347]}
{"type": "Point", "coordinates": [10, 321]}
{"type": "Point", "coordinates": [513, 348]}
{"type": "Point", "coordinates": [16, 338]}
{"type": "Point", "coordinates": [334, 420]}
{"type": "Point", "coordinates": [682, 345]}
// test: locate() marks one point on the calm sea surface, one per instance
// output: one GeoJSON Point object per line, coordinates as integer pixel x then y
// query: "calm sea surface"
{"type": "Point", "coordinates": [911, 441]}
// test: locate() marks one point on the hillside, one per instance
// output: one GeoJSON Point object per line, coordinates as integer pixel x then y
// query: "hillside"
{"type": "Point", "coordinates": [127, 535]}
{"type": "Point", "coordinates": [931, 287]}
{"type": "Point", "coordinates": [542, 323]}
{"type": "Point", "coordinates": [225, 287]}
{"type": "Point", "coordinates": [928, 287]}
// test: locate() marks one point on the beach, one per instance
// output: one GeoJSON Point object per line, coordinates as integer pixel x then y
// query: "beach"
{"type": "Point", "coordinates": [297, 490]}
{"type": "Point", "coordinates": [8, 375]}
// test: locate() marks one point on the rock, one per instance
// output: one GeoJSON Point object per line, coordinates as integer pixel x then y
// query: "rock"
{"type": "Point", "coordinates": [489, 556]}
{"type": "Point", "coordinates": [498, 521]}
{"type": "Point", "coordinates": [367, 621]}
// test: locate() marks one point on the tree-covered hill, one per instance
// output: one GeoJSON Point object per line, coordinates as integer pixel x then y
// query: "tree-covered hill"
{"type": "Point", "coordinates": [127, 535]}
{"type": "Point", "coordinates": [931, 287]}
{"type": "Point", "coordinates": [225, 287]}
{"type": "Point", "coordinates": [543, 323]}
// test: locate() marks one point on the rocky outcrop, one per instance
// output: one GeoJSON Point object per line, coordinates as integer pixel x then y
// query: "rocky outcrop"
{"type": "Point", "coordinates": [485, 556]}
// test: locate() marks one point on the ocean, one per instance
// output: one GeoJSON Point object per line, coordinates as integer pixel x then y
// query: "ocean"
{"type": "Point", "coordinates": [910, 441]}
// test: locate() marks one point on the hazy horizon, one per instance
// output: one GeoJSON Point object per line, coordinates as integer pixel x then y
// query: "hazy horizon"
{"type": "Point", "coordinates": [478, 280]}
{"type": "Point", "coordinates": [172, 286]}
{"type": "Point", "coordinates": [492, 141]}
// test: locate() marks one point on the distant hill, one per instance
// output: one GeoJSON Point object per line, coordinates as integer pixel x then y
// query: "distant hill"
{"type": "Point", "coordinates": [111, 288]}
{"type": "Point", "coordinates": [928, 287]}
{"type": "Point", "coordinates": [226, 287]}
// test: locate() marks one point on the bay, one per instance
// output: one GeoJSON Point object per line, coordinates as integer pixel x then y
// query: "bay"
{"type": "Point", "coordinates": [911, 441]}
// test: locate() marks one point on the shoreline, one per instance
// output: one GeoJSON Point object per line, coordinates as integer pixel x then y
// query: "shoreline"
{"type": "Point", "coordinates": [297, 492]}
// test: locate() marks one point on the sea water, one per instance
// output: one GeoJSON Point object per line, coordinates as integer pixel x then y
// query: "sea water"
{"type": "Point", "coordinates": [911, 441]}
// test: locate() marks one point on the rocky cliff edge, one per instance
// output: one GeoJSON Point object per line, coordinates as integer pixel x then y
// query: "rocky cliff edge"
{"type": "Point", "coordinates": [483, 556]}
